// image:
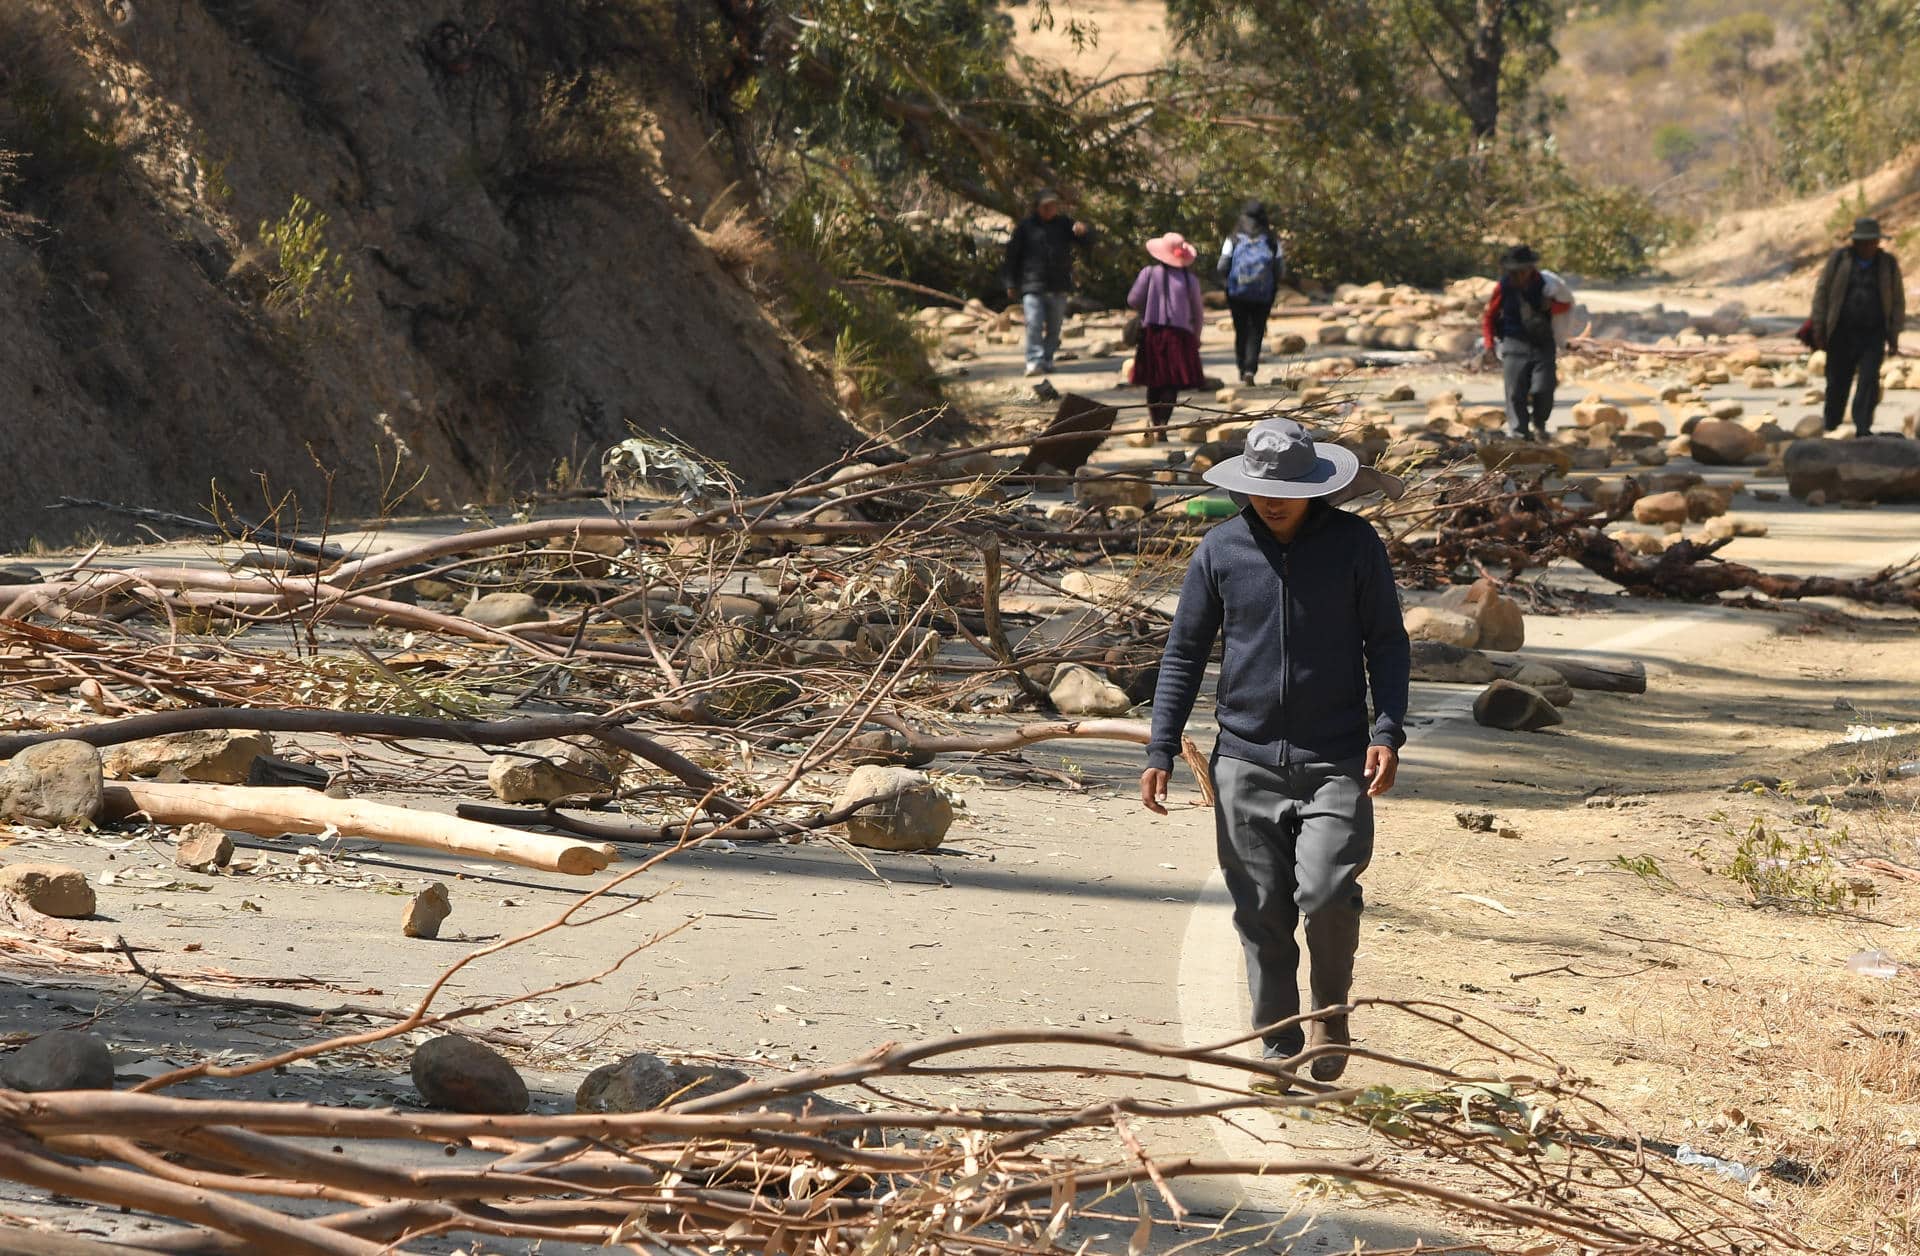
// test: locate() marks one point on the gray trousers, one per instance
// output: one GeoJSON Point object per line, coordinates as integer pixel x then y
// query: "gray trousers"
{"type": "Point", "coordinates": [1531, 376]}
{"type": "Point", "coordinates": [1293, 842]}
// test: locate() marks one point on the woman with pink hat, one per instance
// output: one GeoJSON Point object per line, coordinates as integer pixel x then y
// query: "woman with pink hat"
{"type": "Point", "coordinates": [1171, 315]}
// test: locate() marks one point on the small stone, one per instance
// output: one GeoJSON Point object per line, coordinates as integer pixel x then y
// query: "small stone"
{"type": "Point", "coordinates": [1502, 624]}
{"type": "Point", "coordinates": [63, 1059]}
{"type": "Point", "coordinates": [55, 783]}
{"type": "Point", "coordinates": [1720, 443]}
{"type": "Point", "coordinates": [855, 652]}
{"type": "Point", "coordinates": [1079, 690]}
{"type": "Point", "coordinates": [1705, 501]}
{"type": "Point", "coordinates": [905, 812]}
{"type": "Point", "coordinates": [216, 756]}
{"type": "Point", "coordinates": [202, 848]}
{"type": "Point", "coordinates": [426, 911]}
{"type": "Point", "coordinates": [1450, 627]}
{"type": "Point", "coordinates": [1399, 392]}
{"type": "Point", "coordinates": [456, 1074]}
{"type": "Point", "coordinates": [1550, 684]}
{"type": "Point", "coordinates": [1504, 704]}
{"type": "Point", "coordinates": [1090, 488]}
{"type": "Point", "coordinates": [642, 1082]}
{"type": "Point", "coordinates": [50, 889]}
{"type": "Point", "coordinates": [1288, 344]}
{"type": "Point", "coordinates": [1440, 663]}
{"type": "Point", "coordinates": [550, 770]}
{"type": "Point", "coordinates": [503, 610]}
{"type": "Point", "coordinates": [1661, 508]}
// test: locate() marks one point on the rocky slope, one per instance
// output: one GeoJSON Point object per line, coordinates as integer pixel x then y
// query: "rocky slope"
{"type": "Point", "coordinates": [366, 253]}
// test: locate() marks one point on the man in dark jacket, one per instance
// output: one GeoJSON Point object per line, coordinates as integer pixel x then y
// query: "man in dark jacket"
{"type": "Point", "coordinates": [1858, 309]}
{"type": "Point", "coordinates": [1305, 596]}
{"type": "Point", "coordinates": [1040, 274]}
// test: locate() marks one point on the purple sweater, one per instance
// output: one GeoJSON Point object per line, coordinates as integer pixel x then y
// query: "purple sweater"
{"type": "Point", "coordinates": [1168, 296]}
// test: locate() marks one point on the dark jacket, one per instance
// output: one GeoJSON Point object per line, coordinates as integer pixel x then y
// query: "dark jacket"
{"type": "Point", "coordinates": [1309, 626]}
{"type": "Point", "coordinates": [1040, 254]}
{"type": "Point", "coordinates": [1830, 296]}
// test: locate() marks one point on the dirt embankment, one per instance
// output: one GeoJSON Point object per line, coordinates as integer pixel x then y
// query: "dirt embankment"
{"type": "Point", "coordinates": [512, 200]}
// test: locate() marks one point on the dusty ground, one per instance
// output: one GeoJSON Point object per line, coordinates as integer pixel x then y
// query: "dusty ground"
{"type": "Point", "coordinates": [1702, 1019]}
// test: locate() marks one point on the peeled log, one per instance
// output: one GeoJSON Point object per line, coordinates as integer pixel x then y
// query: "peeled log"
{"type": "Point", "coordinates": [268, 812]}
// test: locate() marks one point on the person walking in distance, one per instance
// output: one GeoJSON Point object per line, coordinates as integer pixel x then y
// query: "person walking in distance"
{"type": "Point", "coordinates": [1304, 596]}
{"type": "Point", "coordinates": [1167, 294]}
{"type": "Point", "coordinates": [1040, 273]}
{"type": "Point", "coordinates": [1524, 325]}
{"type": "Point", "coordinates": [1858, 309]}
{"type": "Point", "coordinates": [1251, 263]}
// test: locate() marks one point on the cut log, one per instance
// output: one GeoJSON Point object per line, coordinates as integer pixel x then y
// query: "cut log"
{"type": "Point", "coordinates": [1603, 675]}
{"type": "Point", "coordinates": [273, 812]}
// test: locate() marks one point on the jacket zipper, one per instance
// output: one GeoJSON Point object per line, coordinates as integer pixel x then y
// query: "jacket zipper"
{"type": "Point", "coordinates": [1286, 645]}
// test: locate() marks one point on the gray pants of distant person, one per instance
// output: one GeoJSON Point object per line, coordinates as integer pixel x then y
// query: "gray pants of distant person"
{"type": "Point", "coordinates": [1530, 374]}
{"type": "Point", "coordinates": [1293, 842]}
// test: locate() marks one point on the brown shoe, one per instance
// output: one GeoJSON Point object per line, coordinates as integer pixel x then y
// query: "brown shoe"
{"type": "Point", "coordinates": [1328, 1031]}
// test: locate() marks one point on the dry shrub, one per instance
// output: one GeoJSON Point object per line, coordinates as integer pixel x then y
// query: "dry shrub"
{"type": "Point", "coordinates": [739, 244]}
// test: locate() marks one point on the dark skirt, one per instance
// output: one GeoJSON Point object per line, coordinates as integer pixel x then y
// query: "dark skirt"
{"type": "Point", "coordinates": [1168, 357]}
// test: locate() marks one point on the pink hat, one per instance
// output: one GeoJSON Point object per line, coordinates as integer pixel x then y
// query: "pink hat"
{"type": "Point", "coordinates": [1173, 249]}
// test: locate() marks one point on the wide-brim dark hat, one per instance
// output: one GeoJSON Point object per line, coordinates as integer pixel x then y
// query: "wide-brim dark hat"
{"type": "Point", "coordinates": [1519, 255]}
{"type": "Point", "coordinates": [1866, 229]}
{"type": "Point", "coordinates": [1283, 460]}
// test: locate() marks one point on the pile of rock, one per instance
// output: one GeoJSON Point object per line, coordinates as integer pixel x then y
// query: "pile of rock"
{"type": "Point", "coordinates": [1378, 316]}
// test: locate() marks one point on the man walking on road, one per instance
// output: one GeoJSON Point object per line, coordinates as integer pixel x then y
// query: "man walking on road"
{"type": "Point", "coordinates": [1858, 308]}
{"type": "Point", "coordinates": [1523, 325]}
{"type": "Point", "coordinates": [1040, 274]}
{"type": "Point", "coordinates": [1305, 596]}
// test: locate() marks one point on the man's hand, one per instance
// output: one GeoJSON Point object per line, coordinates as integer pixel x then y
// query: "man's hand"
{"type": "Point", "coordinates": [1383, 764]}
{"type": "Point", "coordinates": [1153, 790]}
{"type": "Point", "coordinates": [1079, 228]}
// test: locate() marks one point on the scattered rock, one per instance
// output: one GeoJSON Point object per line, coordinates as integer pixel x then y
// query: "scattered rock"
{"type": "Point", "coordinates": [1505, 704]}
{"type": "Point", "coordinates": [1091, 489]}
{"type": "Point", "coordinates": [1549, 683]}
{"type": "Point", "coordinates": [61, 1060]}
{"type": "Point", "coordinates": [56, 784]}
{"type": "Point", "coordinates": [456, 1074]}
{"type": "Point", "coordinates": [1661, 508]}
{"type": "Point", "coordinates": [1288, 344]}
{"type": "Point", "coordinates": [503, 610]}
{"type": "Point", "coordinates": [907, 811]}
{"type": "Point", "coordinates": [1502, 626]}
{"type": "Point", "coordinates": [1651, 456]}
{"type": "Point", "coordinates": [560, 770]}
{"type": "Point", "coordinates": [202, 848]}
{"type": "Point", "coordinates": [217, 756]}
{"type": "Point", "coordinates": [50, 889]}
{"type": "Point", "coordinates": [1476, 821]}
{"type": "Point", "coordinates": [1642, 543]}
{"type": "Point", "coordinates": [1400, 392]}
{"type": "Point", "coordinates": [1596, 412]}
{"type": "Point", "coordinates": [1725, 527]}
{"type": "Point", "coordinates": [15, 573]}
{"type": "Point", "coordinates": [1444, 664]}
{"type": "Point", "coordinates": [642, 1082]}
{"type": "Point", "coordinates": [1449, 627]}
{"type": "Point", "coordinates": [1867, 468]}
{"type": "Point", "coordinates": [1705, 501]}
{"type": "Point", "coordinates": [1810, 427]}
{"type": "Point", "coordinates": [1079, 690]}
{"type": "Point", "coordinates": [426, 911]}
{"type": "Point", "coordinates": [1720, 443]}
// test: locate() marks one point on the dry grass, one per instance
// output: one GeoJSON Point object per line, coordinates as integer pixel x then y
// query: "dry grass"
{"type": "Point", "coordinates": [740, 245]}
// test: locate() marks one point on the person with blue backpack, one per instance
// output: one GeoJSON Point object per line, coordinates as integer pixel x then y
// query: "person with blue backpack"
{"type": "Point", "coordinates": [1251, 263]}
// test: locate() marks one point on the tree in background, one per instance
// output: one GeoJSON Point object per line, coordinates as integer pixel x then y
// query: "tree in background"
{"type": "Point", "coordinates": [1857, 102]}
{"type": "Point", "coordinates": [1728, 54]}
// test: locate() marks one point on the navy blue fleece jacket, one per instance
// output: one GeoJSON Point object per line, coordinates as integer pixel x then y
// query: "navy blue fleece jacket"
{"type": "Point", "coordinates": [1309, 625]}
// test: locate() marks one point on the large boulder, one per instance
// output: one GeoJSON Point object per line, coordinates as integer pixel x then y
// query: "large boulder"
{"type": "Point", "coordinates": [56, 784]}
{"type": "Point", "coordinates": [50, 889]}
{"type": "Point", "coordinates": [456, 1074]}
{"type": "Point", "coordinates": [1079, 690]}
{"type": "Point", "coordinates": [1502, 625]}
{"type": "Point", "coordinates": [547, 771]}
{"type": "Point", "coordinates": [1449, 627]}
{"type": "Point", "coordinates": [1867, 468]}
{"type": "Point", "coordinates": [64, 1059]}
{"type": "Point", "coordinates": [217, 756]}
{"type": "Point", "coordinates": [1444, 664]}
{"type": "Point", "coordinates": [1505, 704]}
{"type": "Point", "coordinates": [905, 812]}
{"type": "Point", "coordinates": [1723, 443]}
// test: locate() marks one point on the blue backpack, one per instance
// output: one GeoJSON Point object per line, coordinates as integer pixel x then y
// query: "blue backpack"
{"type": "Point", "coordinates": [1253, 272]}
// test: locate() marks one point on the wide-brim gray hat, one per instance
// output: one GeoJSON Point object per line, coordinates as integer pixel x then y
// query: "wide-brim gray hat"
{"type": "Point", "coordinates": [1283, 460]}
{"type": "Point", "coordinates": [1866, 229]}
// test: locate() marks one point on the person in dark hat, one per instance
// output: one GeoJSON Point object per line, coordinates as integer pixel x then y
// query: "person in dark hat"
{"type": "Point", "coordinates": [1524, 325]}
{"type": "Point", "coordinates": [1858, 308]}
{"type": "Point", "coordinates": [1039, 273]}
{"type": "Point", "coordinates": [1305, 597]}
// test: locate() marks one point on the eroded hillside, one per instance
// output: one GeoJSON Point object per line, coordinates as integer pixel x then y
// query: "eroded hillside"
{"type": "Point", "coordinates": [352, 251]}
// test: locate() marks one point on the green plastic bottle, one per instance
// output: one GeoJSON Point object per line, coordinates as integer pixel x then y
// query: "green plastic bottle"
{"type": "Point", "coordinates": [1211, 508]}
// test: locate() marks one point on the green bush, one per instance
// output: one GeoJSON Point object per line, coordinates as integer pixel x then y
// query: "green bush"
{"type": "Point", "coordinates": [307, 277]}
